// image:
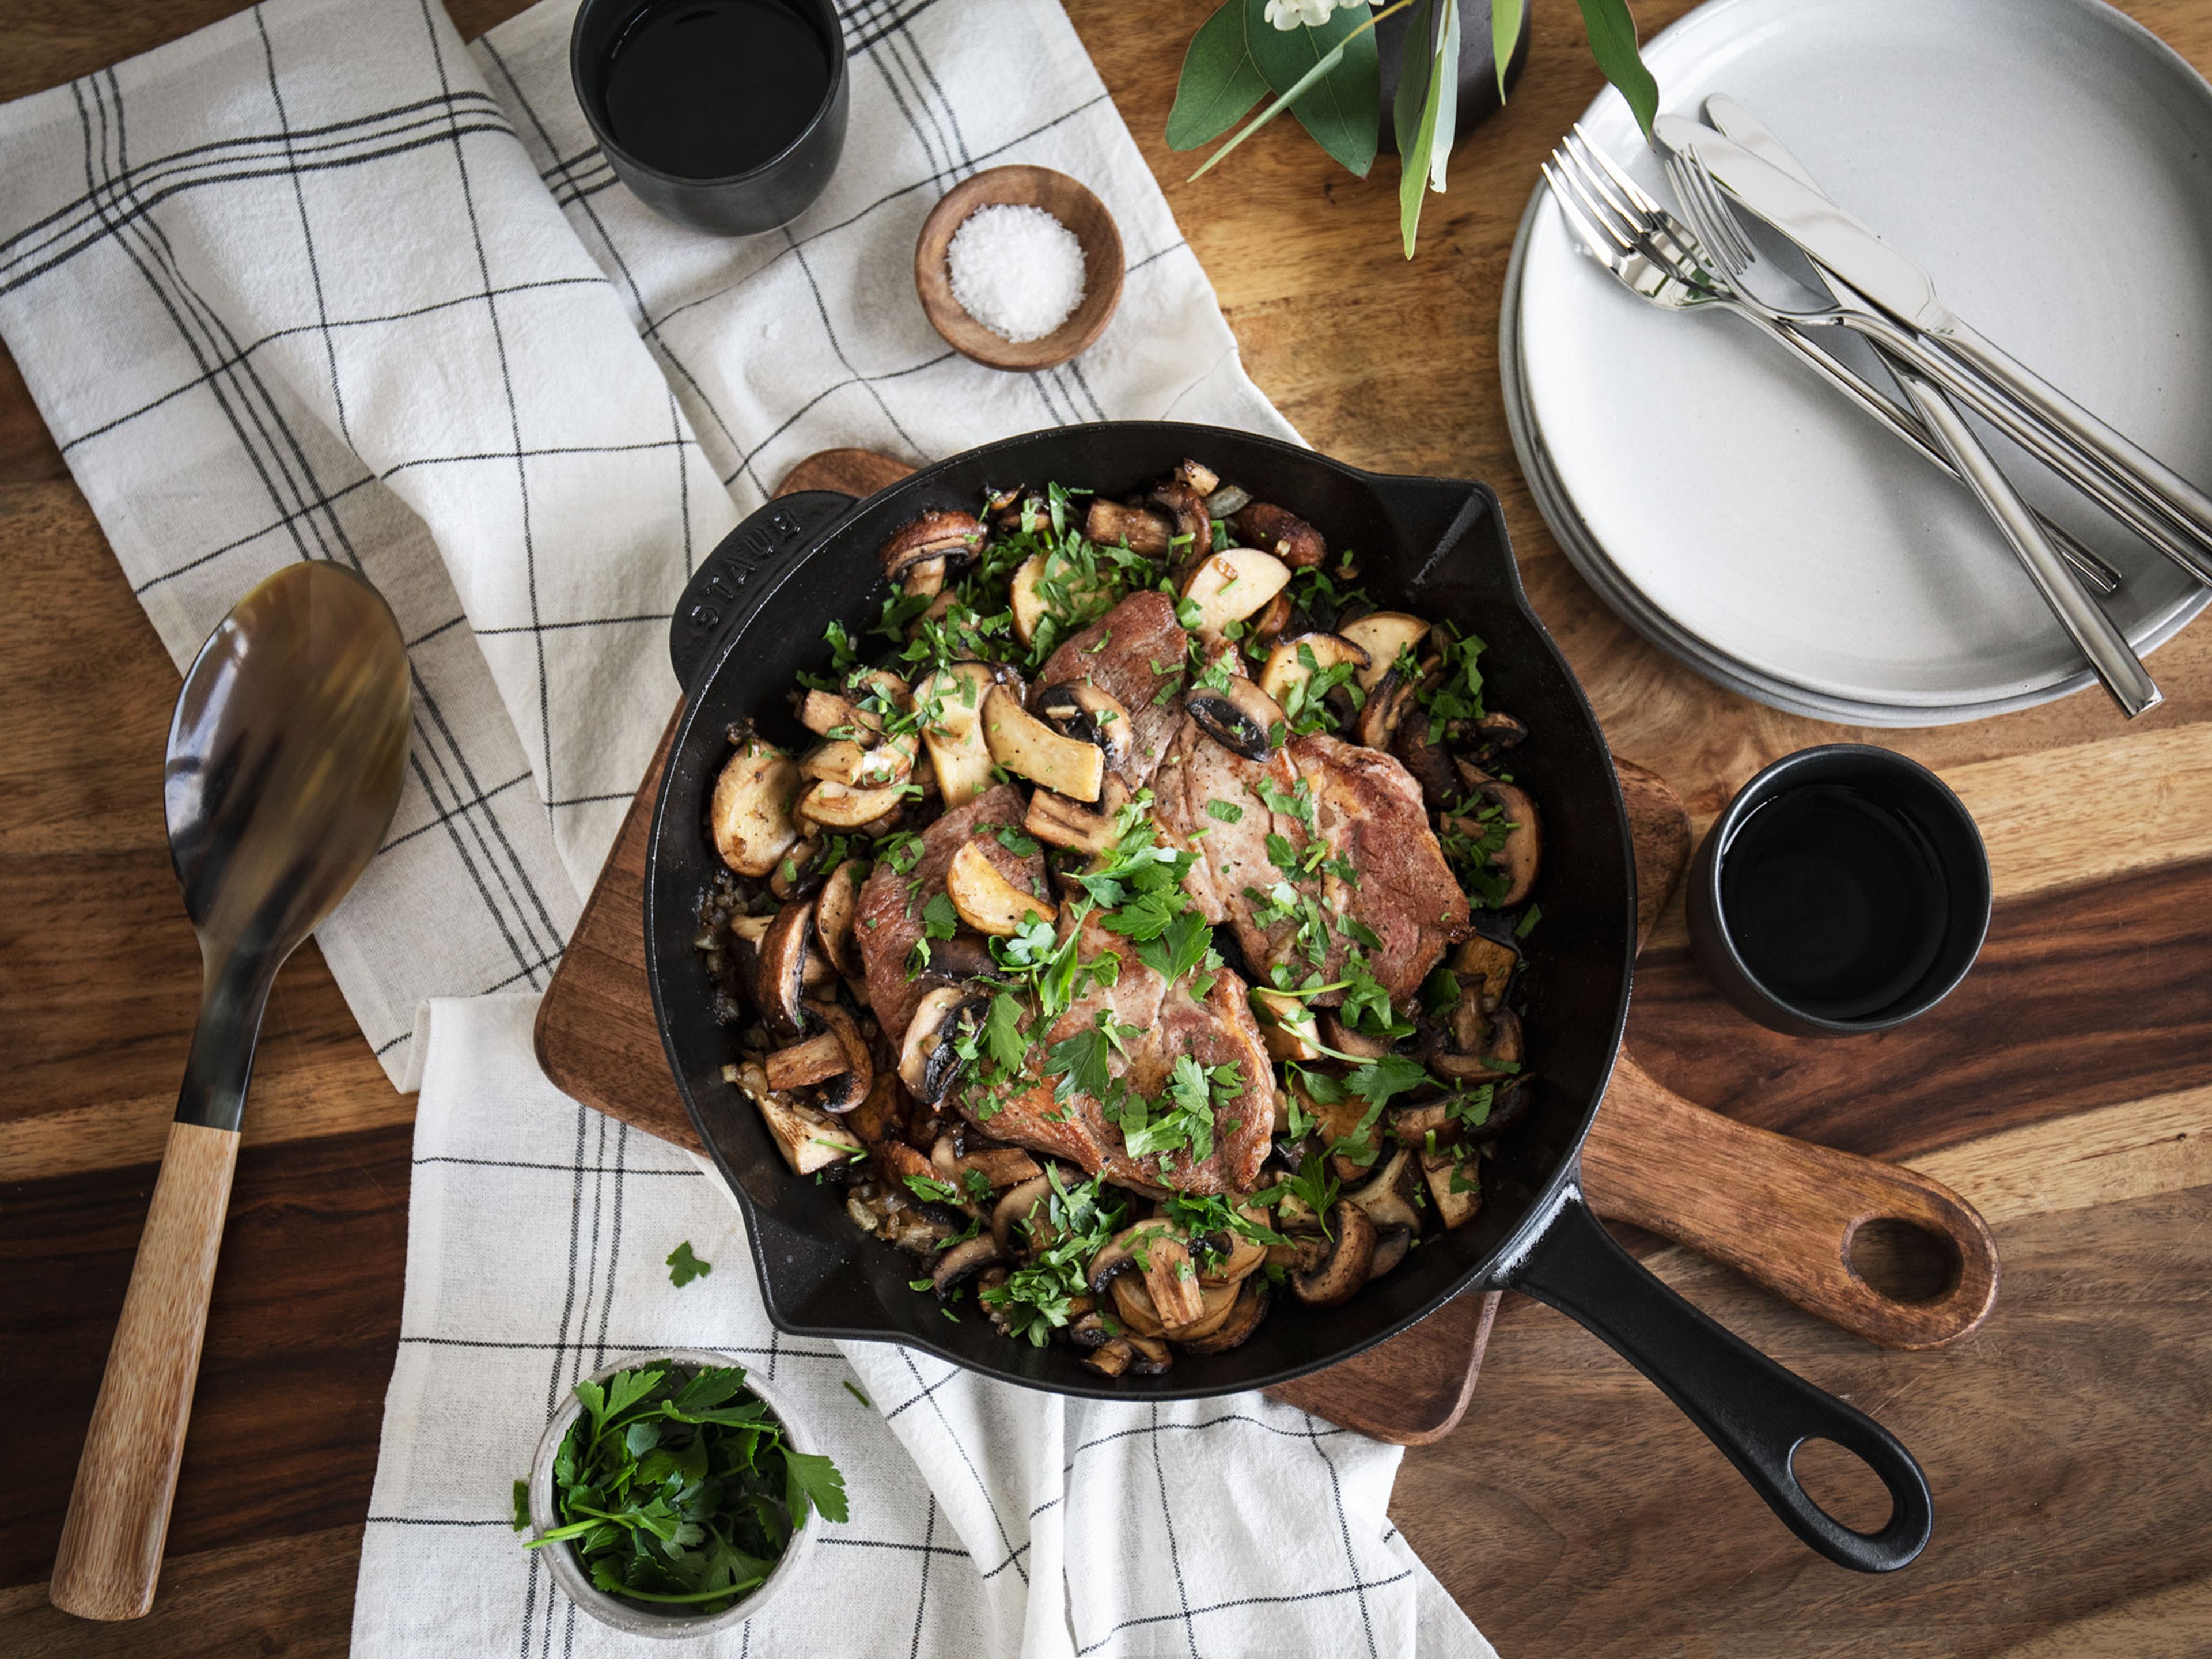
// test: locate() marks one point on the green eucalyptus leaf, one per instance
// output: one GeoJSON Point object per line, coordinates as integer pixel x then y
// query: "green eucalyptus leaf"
{"type": "Point", "coordinates": [1506, 19]}
{"type": "Point", "coordinates": [1415, 118]}
{"type": "Point", "coordinates": [1446, 88]}
{"type": "Point", "coordinates": [1282, 100]}
{"type": "Point", "coordinates": [1220, 79]}
{"type": "Point", "coordinates": [1340, 109]}
{"type": "Point", "coordinates": [1612, 42]}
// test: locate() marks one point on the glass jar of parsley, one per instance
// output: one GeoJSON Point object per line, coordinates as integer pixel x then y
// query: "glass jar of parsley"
{"type": "Point", "coordinates": [674, 1493]}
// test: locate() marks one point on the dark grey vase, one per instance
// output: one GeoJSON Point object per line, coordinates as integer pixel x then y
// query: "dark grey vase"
{"type": "Point", "coordinates": [1477, 73]}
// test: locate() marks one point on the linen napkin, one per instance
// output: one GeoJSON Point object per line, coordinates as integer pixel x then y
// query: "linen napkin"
{"type": "Point", "coordinates": [985, 1519]}
{"type": "Point", "coordinates": [318, 282]}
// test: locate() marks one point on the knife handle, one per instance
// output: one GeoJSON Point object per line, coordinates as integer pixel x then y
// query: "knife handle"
{"type": "Point", "coordinates": [2164, 487]}
{"type": "Point", "coordinates": [2100, 639]}
{"type": "Point", "coordinates": [126, 1477]}
{"type": "Point", "coordinates": [1781, 1211]}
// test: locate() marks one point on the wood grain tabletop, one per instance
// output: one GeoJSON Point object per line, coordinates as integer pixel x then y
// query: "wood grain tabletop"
{"type": "Point", "coordinates": [2066, 1089]}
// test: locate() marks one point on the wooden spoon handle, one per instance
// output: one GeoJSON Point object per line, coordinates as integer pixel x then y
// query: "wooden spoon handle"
{"type": "Point", "coordinates": [118, 1513]}
{"type": "Point", "coordinates": [1781, 1211]}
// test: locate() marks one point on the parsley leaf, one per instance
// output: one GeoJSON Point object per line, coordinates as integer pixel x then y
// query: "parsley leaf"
{"type": "Point", "coordinates": [1080, 1062]}
{"type": "Point", "coordinates": [684, 1267]}
{"type": "Point", "coordinates": [1002, 1033]}
{"type": "Point", "coordinates": [939, 919]}
{"type": "Point", "coordinates": [1181, 944]}
{"type": "Point", "coordinates": [1224, 811]}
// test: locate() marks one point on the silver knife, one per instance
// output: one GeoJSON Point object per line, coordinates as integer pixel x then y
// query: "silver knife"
{"type": "Point", "coordinates": [1841, 244]}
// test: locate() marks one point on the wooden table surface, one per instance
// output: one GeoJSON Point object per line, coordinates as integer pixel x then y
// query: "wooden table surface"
{"type": "Point", "coordinates": [1574, 1511]}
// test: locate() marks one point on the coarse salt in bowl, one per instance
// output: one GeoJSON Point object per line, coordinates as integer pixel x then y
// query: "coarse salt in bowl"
{"type": "Point", "coordinates": [1017, 271]}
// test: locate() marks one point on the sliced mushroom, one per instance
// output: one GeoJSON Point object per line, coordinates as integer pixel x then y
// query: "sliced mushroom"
{"type": "Point", "coordinates": [1287, 1026]}
{"type": "Point", "coordinates": [780, 972]}
{"type": "Point", "coordinates": [1031, 606]}
{"type": "Point", "coordinates": [835, 911]}
{"type": "Point", "coordinates": [880, 1115]}
{"type": "Point", "coordinates": [1452, 1184]}
{"type": "Point", "coordinates": [1190, 535]}
{"type": "Point", "coordinates": [1383, 635]}
{"type": "Point", "coordinates": [963, 1261]}
{"type": "Point", "coordinates": [796, 874]}
{"type": "Point", "coordinates": [1089, 1330]}
{"type": "Point", "coordinates": [966, 956]}
{"type": "Point", "coordinates": [1133, 1306]}
{"type": "Point", "coordinates": [1058, 821]}
{"type": "Point", "coordinates": [1342, 1269]}
{"type": "Point", "coordinates": [1395, 697]}
{"type": "Point", "coordinates": [1021, 743]}
{"type": "Point", "coordinates": [1282, 532]}
{"type": "Point", "coordinates": [1150, 1356]}
{"type": "Point", "coordinates": [808, 1061]}
{"type": "Point", "coordinates": [1080, 710]}
{"type": "Point", "coordinates": [1391, 1244]}
{"type": "Point", "coordinates": [1243, 1318]}
{"type": "Point", "coordinates": [1428, 760]}
{"type": "Point", "coordinates": [1348, 1040]}
{"type": "Point", "coordinates": [1234, 1256]}
{"type": "Point", "coordinates": [849, 1086]}
{"type": "Point", "coordinates": [831, 805]}
{"type": "Point", "coordinates": [925, 580]}
{"type": "Point", "coordinates": [1216, 1303]}
{"type": "Point", "coordinates": [1242, 719]}
{"type": "Point", "coordinates": [1017, 1207]}
{"type": "Point", "coordinates": [1110, 1356]}
{"type": "Point", "coordinates": [751, 811]}
{"type": "Point", "coordinates": [1287, 666]}
{"type": "Point", "coordinates": [1386, 1195]}
{"type": "Point", "coordinates": [1118, 1254]}
{"type": "Point", "coordinates": [986, 900]}
{"type": "Point", "coordinates": [1198, 476]}
{"type": "Point", "coordinates": [1522, 853]}
{"type": "Point", "coordinates": [1002, 1166]}
{"type": "Point", "coordinates": [827, 714]}
{"type": "Point", "coordinates": [810, 1141]}
{"type": "Point", "coordinates": [1272, 620]}
{"type": "Point", "coordinates": [929, 1061]}
{"type": "Point", "coordinates": [1230, 586]}
{"type": "Point", "coordinates": [949, 535]}
{"type": "Point", "coordinates": [1489, 963]}
{"type": "Point", "coordinates": [1140, 529]}
{"type": "Point", "coordinates": [841, 760]}
{"type": "Point", "coordinates": [951, 702]}
{"type": "Point", "coordinates": [1171, 1280]}
{"type": "Point", "coordinates": [1501, 730]}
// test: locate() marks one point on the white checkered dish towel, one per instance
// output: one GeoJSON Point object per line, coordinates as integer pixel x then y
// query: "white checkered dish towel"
{"type": "Point", "coordinates": [320, 281]}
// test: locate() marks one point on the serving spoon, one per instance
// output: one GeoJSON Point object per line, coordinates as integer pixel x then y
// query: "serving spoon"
{"type": "Point", "coordinates": [285, 758]}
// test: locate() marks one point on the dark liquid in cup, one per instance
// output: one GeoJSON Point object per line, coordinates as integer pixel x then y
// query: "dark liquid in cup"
{"type": "Point", "coordinates": [706, 88]}
{"type": "Point", "coordinates": [1835, 902]}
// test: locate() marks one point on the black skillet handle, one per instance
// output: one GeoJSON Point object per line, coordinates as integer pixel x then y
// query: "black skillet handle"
{"type": "Point", "coordinates": [715, 599]}
{"type": "Point", "coordinates": [1756, 1412]}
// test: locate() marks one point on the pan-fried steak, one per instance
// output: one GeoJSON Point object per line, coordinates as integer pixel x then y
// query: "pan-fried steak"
{"type": "Point", "coordinates": [1134, 654]}
{"type": "Point", "coordinates": [1156, 1023]}
{"type": "Point", "coordinates": [1362, 858]}
{"type": "Point", "coordinates": [889, 917]}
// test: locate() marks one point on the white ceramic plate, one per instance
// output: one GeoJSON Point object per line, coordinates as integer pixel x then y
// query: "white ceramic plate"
{"type": "Point", "coordinates": [2049, 163]}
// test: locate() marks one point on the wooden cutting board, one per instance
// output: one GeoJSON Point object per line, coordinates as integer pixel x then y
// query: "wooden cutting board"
{"type": "Point", "coordinates": [597, 1042]}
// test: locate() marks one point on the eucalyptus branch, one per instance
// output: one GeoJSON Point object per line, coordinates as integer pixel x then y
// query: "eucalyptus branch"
{"type": "Point", "coordinates": [1329, 61]}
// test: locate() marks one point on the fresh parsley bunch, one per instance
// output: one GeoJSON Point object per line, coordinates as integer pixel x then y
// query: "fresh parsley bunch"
{"type": "Point", "coordinates": [678, 1486]}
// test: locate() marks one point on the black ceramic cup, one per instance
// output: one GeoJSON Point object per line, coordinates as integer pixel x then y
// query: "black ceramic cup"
{"type": "Point", "coordinates": [763, 195]}
{"type": "Point", "coordinates": [1844, 889]}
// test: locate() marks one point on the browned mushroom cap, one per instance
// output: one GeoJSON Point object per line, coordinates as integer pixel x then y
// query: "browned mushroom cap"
{"type": "Point", "coordinates": [1393, 702]}
{"type": "Point", "coordinates": [1458, 1043]}
{"type": "Point", "coordinates": [1281, 532]}
{"type": "Point", "coordinates": [1014, 1217]}
{"type": "Point", "coordinates": [1391, 1244]}
{"type": "Point", "coordinates": [1186, 508]}
{"type": "Point", "coordinates": [944, 534]}
{"type": "Point", "coordinates": [1517, 860]}
{"type": "Point", "coordinates": [1336, 1034]}
{"type": "Point", "coordinates": [1241, 717]}
{"type": "Point", "coordinates": [1429, 763]}
{"type": "Point", "coordinates": [1058, 821]}
{"type": "Point", "coordinates": [1454, 1185]}
{"type": "Point", "coordinates": [1274, 618]}
{"type": "Point", "coordinates": [1111, 1355]}
{"type": "Point", "coordinates": [849, 1086]}
{"type": "Point", "coordinates": [779, 971]}
{"type": "Point", "coordinates": [1142, 529]}
{"type": "Point", "coordinates": [966, 956]}
{"type": "Point", "coordinates": [1118, 1254]}
{"type": "Point", "coordinates": [963, 1260]}
{"type": "Point", "coordinates": [1489, 963]}
{"type": "Point", "coordinates": [1150, 1356]}
{"type": "Point", "coordinates": [1244, 1318]}
{"type": "Point", "coordinates": [1089, 1331]}
{"type": "Point", "coordinates": [929, 1059]}
{"type": "Point", "coordinates": [1198, 475]}
{"type": "Point", "coordinates": [1342, 1269]}
{"type": "Point", "coordinates": [750, 812]}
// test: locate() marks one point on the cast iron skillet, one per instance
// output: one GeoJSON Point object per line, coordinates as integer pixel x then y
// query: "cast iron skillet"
{"type": "Point", "coordinates": [754, 616]}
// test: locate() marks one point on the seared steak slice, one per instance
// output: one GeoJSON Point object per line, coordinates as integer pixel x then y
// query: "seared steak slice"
{"type": "Point", "coordinates": [1368, 809]}
{"type": "Point", "coordinates": [1161, 1022]}
{"type": "Point", "coordinates": [1134, 654]}
{"type": "Point", "coordinates": [889, 919]}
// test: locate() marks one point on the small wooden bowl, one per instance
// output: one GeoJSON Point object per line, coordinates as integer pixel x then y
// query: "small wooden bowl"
{"type": "Point", "coordinates": [1068, 201]}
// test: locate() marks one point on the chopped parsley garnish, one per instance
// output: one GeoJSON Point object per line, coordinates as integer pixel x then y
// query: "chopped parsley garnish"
{"type": "Point", "coordinates": [684, 1267]}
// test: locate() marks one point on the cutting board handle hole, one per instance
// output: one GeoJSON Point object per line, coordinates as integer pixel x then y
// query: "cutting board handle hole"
{"type": "Point", "coordinates": [1902, 1260]}
{"type": "Point", "coordinates": [1836, 1479]}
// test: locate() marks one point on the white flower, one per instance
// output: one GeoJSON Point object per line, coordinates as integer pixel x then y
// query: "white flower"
{"type": "Point", "coordinates": [1302, 13]}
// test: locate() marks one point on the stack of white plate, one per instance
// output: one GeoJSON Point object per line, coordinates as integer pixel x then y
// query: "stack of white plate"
{"type": "Point", "coordinates": [2049, 163]}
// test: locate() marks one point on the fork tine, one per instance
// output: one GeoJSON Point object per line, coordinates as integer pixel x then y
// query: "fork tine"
{"type": "Point", "coordinates": [1592, 238]}
{"type": "Point", "coordinates": [1579, 153]}
{"type": "Point", "coordinates": [1636, 194]}
{"type": "Point", "coordinates": [1657, 233]}
{"type": "Point", "coordinates": [1607, 216]}
{"type": "Point", "coordinates": [1714, 220]}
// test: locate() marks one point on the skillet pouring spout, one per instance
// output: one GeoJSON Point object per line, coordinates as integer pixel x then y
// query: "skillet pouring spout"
{"type": "Point", "coordinates": [1756, 1412]}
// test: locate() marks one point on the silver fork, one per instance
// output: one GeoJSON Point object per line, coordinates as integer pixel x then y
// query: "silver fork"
{"type": "Point", "coordinates": [2099, 638]}
{"type": "Point", "coordinates": [1658, 259]}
